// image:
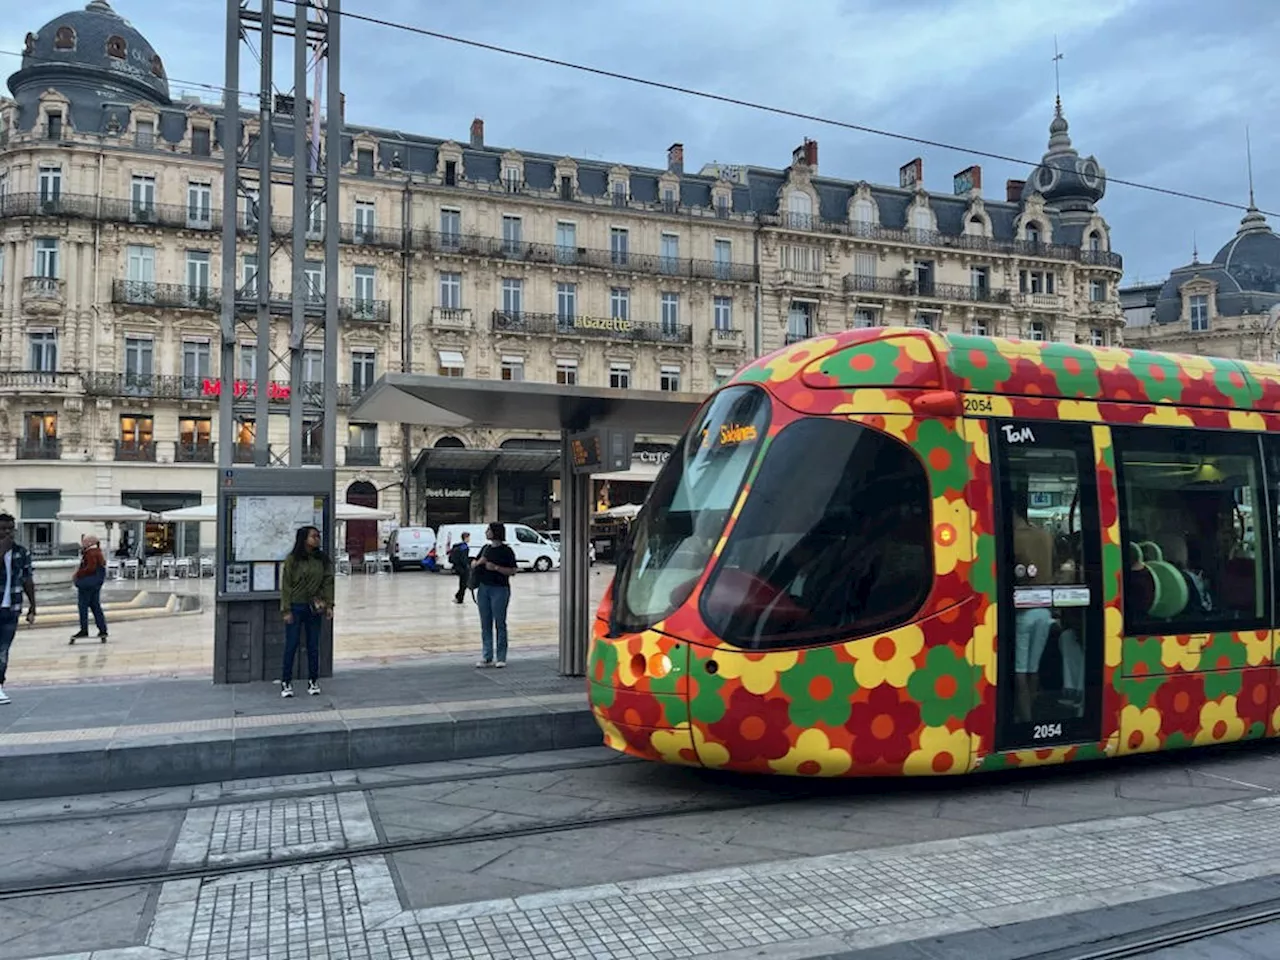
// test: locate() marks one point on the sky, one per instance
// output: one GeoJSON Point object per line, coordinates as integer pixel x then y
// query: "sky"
{"type": "Point", "coordinates": [1160, 91]}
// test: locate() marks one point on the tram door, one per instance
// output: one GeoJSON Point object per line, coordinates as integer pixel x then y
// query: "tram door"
{"type": "Point", "coordinates": [1049, 581]}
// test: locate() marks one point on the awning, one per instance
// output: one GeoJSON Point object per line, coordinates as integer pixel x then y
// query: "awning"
{"type": "Point", "coordinates": [461, 460]}
{"type": "Point", "coordinates": [451, 358]}
{"type": "Point", "coordinates": [639, 472]}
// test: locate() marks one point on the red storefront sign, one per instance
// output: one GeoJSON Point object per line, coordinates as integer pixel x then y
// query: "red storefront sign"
{"type": "Point", "coordinates": [245, 388]}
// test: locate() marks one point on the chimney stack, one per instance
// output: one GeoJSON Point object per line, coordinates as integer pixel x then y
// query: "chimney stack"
{"type": "Point", "coordinates": [675, 158]}
{"type": "Point", "coordinates": [806, 153]}
{"type": "Point", "coordinates": [1013, 190]}
{"type": "Point", "coordinates": [477, 133]}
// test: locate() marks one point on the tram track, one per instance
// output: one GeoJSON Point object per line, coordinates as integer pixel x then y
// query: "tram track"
{"type": "Point", "coordinates": [115, 880]}
{"type": "Point", "coordinates": [1146, 943]}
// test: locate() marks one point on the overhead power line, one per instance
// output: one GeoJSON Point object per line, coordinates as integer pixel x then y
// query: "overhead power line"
{"type": "Point", "coordinates": [753, 105]}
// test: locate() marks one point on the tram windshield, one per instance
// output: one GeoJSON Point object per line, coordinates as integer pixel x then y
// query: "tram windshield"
{"type": "Point", "coordinates": [688, 508]}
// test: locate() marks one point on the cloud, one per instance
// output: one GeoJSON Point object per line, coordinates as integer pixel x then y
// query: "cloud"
{"type": "Point", "coordinates": [1158, 90]}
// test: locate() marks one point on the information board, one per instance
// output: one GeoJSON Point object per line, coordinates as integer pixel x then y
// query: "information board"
{"type": "Point", "coordinates": [263, 528]}
{"type": "Point", "coordinates": [601, 450]}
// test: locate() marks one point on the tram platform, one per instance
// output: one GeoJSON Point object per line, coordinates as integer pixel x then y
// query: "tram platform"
{"type": "Point", "coordinates": [66, 739]}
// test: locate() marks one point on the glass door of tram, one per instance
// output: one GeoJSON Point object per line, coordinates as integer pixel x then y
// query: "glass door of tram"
{"type": "Point", "coordinates": [1049, 581]}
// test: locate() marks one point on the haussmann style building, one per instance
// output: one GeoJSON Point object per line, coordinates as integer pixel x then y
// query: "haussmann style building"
{"type": "Point", "coordinates": [458, 258]}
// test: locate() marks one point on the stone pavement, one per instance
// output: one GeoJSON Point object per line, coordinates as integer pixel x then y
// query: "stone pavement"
{"type": "Point", "coordinates": [1049, 882]}
{"type": "Point", "coordinates": [67, 739]}
{"type": "Point", "coordinates": [379, 619]}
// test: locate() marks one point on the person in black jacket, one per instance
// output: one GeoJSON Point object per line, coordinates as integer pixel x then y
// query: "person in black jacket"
{"type": "Point", "coordinates": [460, 561]}
{"type": "Point", "coordinates": [89, 578]}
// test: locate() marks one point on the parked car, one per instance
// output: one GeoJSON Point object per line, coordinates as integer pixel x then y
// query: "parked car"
{"type": "Point", "coordinates": [410, 547]}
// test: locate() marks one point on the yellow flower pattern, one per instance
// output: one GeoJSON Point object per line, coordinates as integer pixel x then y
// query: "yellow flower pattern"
{"type": "Point", "coordinates": [1219, 722]}
{"type": "Point", "coordinates": [943, 751]}
{"type": "Point", "coordinates": [813, 756]}
{"type": "Point", "coordinates": [888, 658]}
{"type": "Point", "coordinates": [1139, 729]}
{"type": "Point", "coordinates": [1168, 417]}
{"type": "Point", "coordinates": [757, 671]}
{"type": "Point", "coordinates": [952, 534]}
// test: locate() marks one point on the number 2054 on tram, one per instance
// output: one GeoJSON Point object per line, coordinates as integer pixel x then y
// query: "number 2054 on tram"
{"type": "Point", "coordinates": [893, 552]}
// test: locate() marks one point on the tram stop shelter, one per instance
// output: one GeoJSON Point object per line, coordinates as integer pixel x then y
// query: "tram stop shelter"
{"type": "Point", "coordinates": [572, 410]}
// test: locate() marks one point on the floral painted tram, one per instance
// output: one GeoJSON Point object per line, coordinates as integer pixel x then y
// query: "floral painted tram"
{"type": "Point", "coordinates": [895, 552]}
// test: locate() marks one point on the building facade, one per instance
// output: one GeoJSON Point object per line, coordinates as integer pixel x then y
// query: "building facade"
{"type": "Point", "coordinates": [1229, 307]}
{"type": "Point", "coordinates": [458, 258]}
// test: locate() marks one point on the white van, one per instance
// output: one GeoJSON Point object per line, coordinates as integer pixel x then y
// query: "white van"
{"type": "Point", "coordinates": [409, 546]}
{"type": "Point", "coordinates": [533, 551]}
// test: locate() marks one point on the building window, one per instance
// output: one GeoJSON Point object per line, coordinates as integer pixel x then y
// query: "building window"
{"type": "Point", "coordinates": [363, 436]}
{"type": "Point", "coordinates": [450, 229]}
{"type": "Point", "coordinates": [201, 142]}
{"type": "Point", "coordinates": [670, 313]}
{"type": "Point", "coordinates": [363, 365]}
{"type": "Point", "coordinates": [924, 277]}
{"type": "Point", "coordinates": [249, 275]}
{"type": "Point", "coordinates": [198, 276]}
{"type": "Point", "coordinates": [620, 376]}
{"type": "Point", "coordinates": [315, 218]}
{"type": "Point", "coordinates": [801, 259]}
{"type": "Point", "coordinates": [312, 366]}
{"type": "Point", "coordinates": [44, 351]}
{"type": "Point", "coordinates": [619, 246]}
{"type": "Point", "coordinates": [41, 429]}
{"type": "Point", "coordinates": [50, 184]}
{"type": "Point", "coordinates": [669, 261]}
{"type": "Point", "coordinates": [567, 301]}
{"type": "Point", "coordinates": [142, 197]}
{"type": "Point", "coordinates": [1036, 331]}
{"type": "Point", "coordinates": [669, 202]}
{"type": "Point", "coordinates": [722, 207]}
{"type": "Point", "coordinates": [979, 328]}
{"type": "Point", "coordinates": [250, 208]}
{"type": "Point", "coordinates": [511, 177]}
{"type": "Point", "coordinates": [513, 369]}
{"type": "Point", "coordinates": [566, 372]}
{"type": "Point", "coordinates": [1199, 312]}
{"type": "Point", "coordinates": [799, 210]}
{"type": "Point", "coordinates": [864, 318]}
{"type": "Point", "coordinates": [1097, 338]}
{"type": "Point", "coordinates": [799, 321]}
{"type": "Point", "coordinates": [722, 375]}
{"type": "Point", "coordinates": [451, 173]}
{"type": "Point", "coordinates": [144, 134]}
{"type": "Point", "coordinates": [723, 253]}
{"type": "Point", "coordinates": [366, 221]}
{"type": "Point", "coordinates": [136, 431]}
{"type": "Point", "coordinates": [1035, 281]}
{"type": "Point", "coordinates": [669, 379]}
{"type": "Point", "coordinates": [247, 366]}
{"type": "Point", "coordinates": [512, 236]}
{"type": "Point", "coordinates": [619, 191]}
{"type": "Point", "coordinates": [1032, 233]}
{"type": "Point", "coordinates": [199, 205]}
{"type": "Point", "coordinates": [927, 320]}
{"type": "Point", "coordinates": [313, 280]}
{"type": "Point", "coordinates": [566, 242]}
{"type": "Point", "coordinates": [451, 291]}
{"type": "Point", "coordinates": [1097, 290]}
{"type": "Point", "coordinates": [364, 281]}
{"type": "Point", "coordinates": [566, 187]}
{"type": "Point", "coordinates": [195, 432]}
{"type": "Point", "coordinates": [46, 257]}
{"type": "Point", "coordinates": [139, 364]}
{"type": "Point", "coordinates": [722, 313]}
{"type": "Point", "coordinates": [620, 303]}
{"type": "Point", "coordinates": [53, 130]}
{"type": "Point", "coordinates": [196, 364]}
{"type": "Point", "coordinates": [980, 282]}
{"type": "Point", "coordinates": [452, 363]}
{"type": "Point", "coordinates": [512, 296]}
{"type": "Point", "coordinates": [1095, 242]}
{"type": "Point", "coordinates": [364, 162]}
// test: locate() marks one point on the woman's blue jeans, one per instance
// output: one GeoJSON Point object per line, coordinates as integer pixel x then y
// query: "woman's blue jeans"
{"type": "Point", "coordinates": [304, 618]}
{"type": "Point", "coordinates": [493, 603]}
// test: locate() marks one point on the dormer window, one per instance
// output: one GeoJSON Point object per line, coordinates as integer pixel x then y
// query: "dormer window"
{"type": "Point", "coordinates": [116, 48]}
{"type": "Point", "coordinates": [511, 178]}
{"type": "Point", "coordinates": [1199, 309]}
{"type": "Point", "coordinates": [619, 191]}
{"type": "Point", "coordinates": [451, 173]}
{"type": "Point", "coordinates": [799, 210]}
{"type": "Point", "coordinates": [1095, 242]}
{"type": "Point", "coordinates": [975, 226]}
{"type": "Point", "coordinates": [145, 134]}
{"type": "Point", "coordinates": [201, 145]}
{"type": "Point", "coordinates": [157, 67]}
{"type": "Point", "coordinates": [864, 212]}
{"type": "Point", "coordinates": [364, 162]}
{"type": "Point", "coordinates": [669, 202]}
{"type": "Point", "coordinates": [921, 221]}
{"type": "Point", "coordinates": [64, 39]}
{"type": "Point", "coordinates": [566, 187]}
{"type": "Point", "coordinates": [1032, 232]}
{"type": "Point", "coordinates": [53, 129]}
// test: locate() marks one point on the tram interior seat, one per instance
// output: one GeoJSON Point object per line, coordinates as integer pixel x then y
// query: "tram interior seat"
{"type": "Point", "coordinates": [1171, 594]}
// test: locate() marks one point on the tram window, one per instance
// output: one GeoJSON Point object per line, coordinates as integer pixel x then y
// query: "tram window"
{"type": "Point", "coordinates": [832, 543]}
{"type": "Point", "coordinates": [1188, 504]}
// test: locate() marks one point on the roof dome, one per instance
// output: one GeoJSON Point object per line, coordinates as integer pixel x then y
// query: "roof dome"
{"type": "Point", "coordinates": [1064, 178]}
{"type": "Point", "coordinates": [95, 44]}
{"type": "Point", "coordinates": [1252, 256]}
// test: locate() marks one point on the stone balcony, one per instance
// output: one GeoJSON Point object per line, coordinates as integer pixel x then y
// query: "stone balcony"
{"type": "Point", "coordinates": [40, 383]}
{"type": "Point", "coordinates": [44, 295]}
{"type": "Point", "coordinates": [733, 341]}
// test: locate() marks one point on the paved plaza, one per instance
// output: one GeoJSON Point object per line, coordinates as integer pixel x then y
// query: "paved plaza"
{"type": "Point", "coordinates": [583, 854]}
{"type": "Point", "coordinates": [380, 618]}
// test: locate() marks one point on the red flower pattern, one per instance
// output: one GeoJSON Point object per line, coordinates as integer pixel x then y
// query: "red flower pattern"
{"type": "Point", "coordinates": [882, 726]}
{"type": "Point", "coordinates": [1179, 700]}
{"type": "Point", "coordinates": [753, 728]}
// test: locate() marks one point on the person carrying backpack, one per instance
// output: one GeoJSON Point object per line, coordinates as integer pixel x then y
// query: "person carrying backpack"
{"type": "Point", "coordinates": [89, 578]}
{"type": "Point", "coordinates": [460, 561]}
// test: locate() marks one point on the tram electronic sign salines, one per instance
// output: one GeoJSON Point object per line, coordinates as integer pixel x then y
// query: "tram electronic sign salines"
{"type": "Point", "coordinates": [600, 450]}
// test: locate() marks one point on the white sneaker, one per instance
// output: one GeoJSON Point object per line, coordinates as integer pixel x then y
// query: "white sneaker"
{"type": "Point", "coordinates": [313, 688]}
{"type": "Point", "coordinates": [500, 664]}
{"type": "Point", "coordinates": [4, 697]}
{"type": "Point", "coordinates": [485, 663]}
{"type": "Point", "coordinates": [286, 689]}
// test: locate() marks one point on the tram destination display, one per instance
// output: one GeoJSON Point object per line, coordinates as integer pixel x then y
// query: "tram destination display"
{"type": "Point", "coordinates": [601, 450]}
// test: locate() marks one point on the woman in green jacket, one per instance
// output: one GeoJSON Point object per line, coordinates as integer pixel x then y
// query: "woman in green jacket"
{"type": "Point", "coordinates": [306, 594]}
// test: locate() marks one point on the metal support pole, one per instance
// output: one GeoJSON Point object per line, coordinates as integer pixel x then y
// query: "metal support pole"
{"type": "Point", "coordinates": [406, 339]}
{"type": "Point", "coordinates": [301, 210]}
{"type": "Point", "coordinates": [266, 139]}
{"type": "Point", "coordinates": [333, 204]}
{"type": "Point", "coordinates": [575, 532]}
{"type": "Point", "coordinates": [230, 191]}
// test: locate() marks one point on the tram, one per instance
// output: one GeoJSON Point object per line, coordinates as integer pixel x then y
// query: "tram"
{"type": "Point", "coordinates": [895, 552]}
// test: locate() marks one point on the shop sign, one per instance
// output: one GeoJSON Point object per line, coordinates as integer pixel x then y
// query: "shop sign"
{"type": "Point", "coordinates": [448, 493]}
{"type": "Point", "coordinates": [601, 323]}
{"type": "Point", "coordinates": [245, 388]}
{"type": "Point", "coordinates": [651, 456]}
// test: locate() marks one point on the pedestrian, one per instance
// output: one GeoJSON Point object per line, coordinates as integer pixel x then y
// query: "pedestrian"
{"type": "Point", "coordinates": [492, 572]}
{"type": "Point", "coordinates": [306, 595]}
{"type": "Point", "coordinates": [89, 579]}
{"type": "Point", "coordinates": [460, 561]}
{"type": "Point", "coordinates": [16, 578]}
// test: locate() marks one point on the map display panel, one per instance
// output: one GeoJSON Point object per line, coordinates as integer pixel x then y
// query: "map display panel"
{"type": "Point", "coordinates": [263, 528]}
